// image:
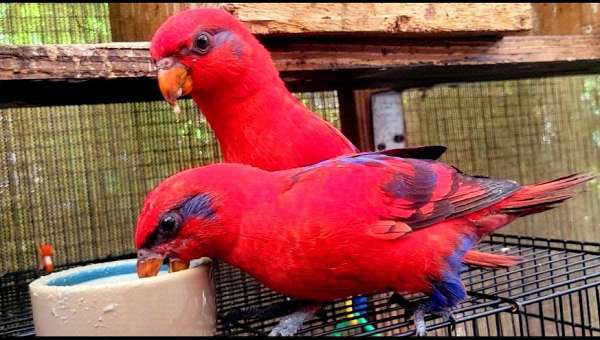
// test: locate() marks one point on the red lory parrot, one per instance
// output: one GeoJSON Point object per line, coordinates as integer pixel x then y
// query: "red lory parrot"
{"type": "Point", "coordinates": [355, 224]}
{"type": "Point", "coordinates": [212, 56]}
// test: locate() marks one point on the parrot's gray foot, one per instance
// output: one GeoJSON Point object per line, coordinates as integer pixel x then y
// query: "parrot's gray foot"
{"type": "Point", "coordinates": [287, 310]}
{"type": "Point", "coordinates": [419, 317]}
{"type": "Point", "coordinates": [290, 324]}
{"type": "Point", "coordinates": [275, 310]}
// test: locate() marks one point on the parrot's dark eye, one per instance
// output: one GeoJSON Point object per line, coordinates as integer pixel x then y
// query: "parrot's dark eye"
{"type": "Point", "coordinates": [169, 223]}
{"type": "Point", "coordinates": [202, 43]}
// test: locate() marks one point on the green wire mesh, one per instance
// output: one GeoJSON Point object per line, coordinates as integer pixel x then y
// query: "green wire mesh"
{"type": "Point", "coordinates": [75, 176]}
{"type": "Point", "coordinates": [324, 103]}
{"type": "Point", "coordinates": [529, 130]}
{"type": "Point", "coordinates": [54, 23]}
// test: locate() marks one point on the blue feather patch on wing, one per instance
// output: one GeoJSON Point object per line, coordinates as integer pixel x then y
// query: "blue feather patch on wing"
{"type": "Point", "coordinates": [373, 159]}
{"type": "Point", "coordinates": [370, 159]}
{"type": "Point", "coordinates": [416, 188]}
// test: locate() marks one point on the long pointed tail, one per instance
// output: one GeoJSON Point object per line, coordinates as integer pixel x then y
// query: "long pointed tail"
{"type": "Point", "coordinates": [528, 200]}
{"type": "Point", "coordinates": [487, 260]}
{"type": "Point", "coordinates": [540, 197]}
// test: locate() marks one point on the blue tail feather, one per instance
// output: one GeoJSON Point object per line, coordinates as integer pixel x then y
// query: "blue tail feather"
{"type": "Point", "coordinates": [449, 291]}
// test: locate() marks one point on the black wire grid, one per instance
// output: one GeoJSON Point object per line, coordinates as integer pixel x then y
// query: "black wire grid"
{"type": "Point", "coordinates": [555, 291]}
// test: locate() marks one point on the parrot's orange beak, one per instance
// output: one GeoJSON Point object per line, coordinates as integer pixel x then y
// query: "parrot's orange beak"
{"type": "Point", "coordinates": [148, 263]}
{"type": "Point", "coordinates": [174, 80]}
{"type": "Point", "coordinates": [176, 265]}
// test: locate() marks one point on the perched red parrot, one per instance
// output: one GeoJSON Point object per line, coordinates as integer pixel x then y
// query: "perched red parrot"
{"type": "Point", "coordinates": [351, 225]}
{"type": "Point", "coordinates": [211, 55]}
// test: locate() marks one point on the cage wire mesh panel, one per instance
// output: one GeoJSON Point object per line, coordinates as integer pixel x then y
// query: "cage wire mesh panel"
{"type": "Point", "coordinates": [75, 176]}
{"type": "Point", "coordinates": [529, 130]}
{"type": "Point", "coordinates": [324, 103]}
{"type": "Point", "coordinates": [555, 291]}
{"type": "Point", "coordinates": [54, 23]}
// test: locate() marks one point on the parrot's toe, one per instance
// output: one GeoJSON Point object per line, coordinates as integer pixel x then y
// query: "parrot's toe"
{"type": "Point", "coordinates": [420, 327]}
{"type": "Point", "coordinates": [281, 331]}
{"type": "Point", "coordinates": [448, 316]}
{"type": "Point", "coordinates": [290, 324]}
{"type": "Point", "coordinates": [424, 308]}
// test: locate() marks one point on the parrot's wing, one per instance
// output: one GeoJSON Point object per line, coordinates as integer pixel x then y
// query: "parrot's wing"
{"type": "Point", "coordinates": [432, 152]}
{"type": "Point", "coordinates": [410, 193]}
{"type": "Point", "coordinates": [420, 193]}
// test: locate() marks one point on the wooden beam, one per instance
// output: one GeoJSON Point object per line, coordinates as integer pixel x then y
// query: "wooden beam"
{"type": "Point", "coordinates": [139, 21]}
{"type": "Point", "coordinates": [75, 62]}
{"type": "Point", "coordinates": [307, 64]}
{"type": "Point", "coordinates": [347, 108]}
{"type": "Point", "coordinates": [356, 116]}
{"type": "Point", "coordinates": [565, 18]}
{"type": "Point", "coordinates": [364, 119]}
{"type": "Point", "coordinates": [435, 52]}
{"type": "Point", "coordinates": [126, 60]}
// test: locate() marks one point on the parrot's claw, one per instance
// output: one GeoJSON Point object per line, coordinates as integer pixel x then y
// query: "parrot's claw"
{"type": "Point", "coordinates": [420, 327]}
{"type": "Point", "coordinates": [398, 299]}
{"type": "Point", "coordinates": [448, 316]}
{"type": "Point", "coordinates": [290, 324]}
{"type": "Point", "coordinates": [419, 318]}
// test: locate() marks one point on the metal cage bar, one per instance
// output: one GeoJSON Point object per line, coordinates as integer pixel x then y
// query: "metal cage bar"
{"type": "Point", "coordinates": [554, 291]}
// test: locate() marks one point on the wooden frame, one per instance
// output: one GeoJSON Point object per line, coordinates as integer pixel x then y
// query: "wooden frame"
{"type": "Point", "coordinates": [113, 72]}
{"type": "Point", "coordinates": [139, 21]}
{"type": "Point", "coordinates": [123, 72]}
